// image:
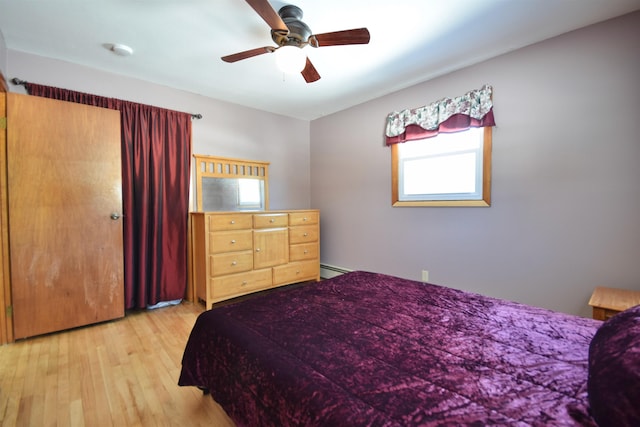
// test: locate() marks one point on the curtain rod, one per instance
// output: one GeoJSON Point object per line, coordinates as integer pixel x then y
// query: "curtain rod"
{"type": "Point", "coordinates": [18, 82]}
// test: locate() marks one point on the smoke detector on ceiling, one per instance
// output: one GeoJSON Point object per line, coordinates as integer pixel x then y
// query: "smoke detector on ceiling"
{"type": "Point", "coordinates": [121, 49]}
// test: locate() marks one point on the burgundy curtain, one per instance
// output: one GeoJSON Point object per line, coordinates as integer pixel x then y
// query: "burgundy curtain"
{"type": "Point", "coordinates": [156, 157]}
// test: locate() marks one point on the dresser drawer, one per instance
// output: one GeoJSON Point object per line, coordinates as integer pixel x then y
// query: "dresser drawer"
{"type": "Point", "coordinates": [296, 272]}
{"type": "Point", "coordinates": [230, 241]}
{"type": "Point", "coordinates": [303, 234]}
{"type": "Point", "coordinates": [233, 262]}
{"type": "Point", "coordinates": [229, 222]}
{"type": "Point", "coordinates": [303, 218]}
{"type": "Point", "coordinates": [270, 220]}
{"type": "Point", "coordinates": [303, 251]}
{"type": "Point", "coordinates": [239, 284]}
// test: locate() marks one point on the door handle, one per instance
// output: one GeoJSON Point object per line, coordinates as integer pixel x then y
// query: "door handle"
{"type": "Point", "coordinates": [115, 216]}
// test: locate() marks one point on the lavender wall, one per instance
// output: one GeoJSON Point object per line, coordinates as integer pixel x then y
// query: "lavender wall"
{"type": "Point", "coordinates": [226, 129]}
{"type": "Point", "coordinates": [3, 56]}
{"type": "Point", "coordinates": [565, 214]}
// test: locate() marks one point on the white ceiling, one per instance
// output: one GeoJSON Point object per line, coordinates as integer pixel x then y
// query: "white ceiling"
{"type": "Point", "coordinates": [178, 43]}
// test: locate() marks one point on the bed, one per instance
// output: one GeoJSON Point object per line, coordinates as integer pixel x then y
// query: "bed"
{"type": "Point", "coordinates": [368, 349]}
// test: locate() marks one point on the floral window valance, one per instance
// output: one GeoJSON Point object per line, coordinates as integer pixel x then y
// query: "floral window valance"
{"type": "Point", "coordinates": [473, 109]}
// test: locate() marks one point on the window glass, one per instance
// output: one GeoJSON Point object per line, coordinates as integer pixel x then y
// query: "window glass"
{"type": "Point", "coordinates": [249, 193]}
{"type": "Point", "coordinates": [449, 169]}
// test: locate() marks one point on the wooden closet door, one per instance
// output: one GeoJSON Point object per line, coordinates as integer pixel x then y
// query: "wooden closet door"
{"type": "Point", "coordinates": [64, 185]}
{"type": "Point", "coordinates": [6, 326]}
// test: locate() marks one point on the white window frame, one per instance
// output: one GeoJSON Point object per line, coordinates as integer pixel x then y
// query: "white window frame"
{"type": "Point", "coordinates": [482, 168]}
{"type": "Point", "coordinates": [249, 194]}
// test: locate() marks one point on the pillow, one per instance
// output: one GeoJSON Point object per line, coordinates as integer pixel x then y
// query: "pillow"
{"type": "Point", "coordinates": [614, 371]}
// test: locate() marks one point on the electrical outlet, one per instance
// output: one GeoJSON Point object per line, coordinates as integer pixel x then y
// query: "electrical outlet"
{"type": "Point", "coordinates": [425, 276]}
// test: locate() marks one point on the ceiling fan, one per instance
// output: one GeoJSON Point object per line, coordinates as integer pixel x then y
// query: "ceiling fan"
{"type": "Point", "coordinates": [291, 34]}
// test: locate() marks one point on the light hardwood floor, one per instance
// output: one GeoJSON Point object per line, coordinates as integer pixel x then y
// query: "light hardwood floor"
{"type": "Point", "coordinates": [120, 373]}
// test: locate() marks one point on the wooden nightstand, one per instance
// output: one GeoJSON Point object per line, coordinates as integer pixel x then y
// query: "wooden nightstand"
{"type": "Point", "coordinates": [609, 301]}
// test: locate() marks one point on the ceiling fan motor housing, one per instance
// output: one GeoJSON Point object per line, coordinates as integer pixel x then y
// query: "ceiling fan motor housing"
{"type": "Point", "coordinates": [299, 32]}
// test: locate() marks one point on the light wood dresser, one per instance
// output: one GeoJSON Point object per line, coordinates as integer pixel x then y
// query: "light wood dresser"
{"type": "Point", "coordinates": [237, 253]}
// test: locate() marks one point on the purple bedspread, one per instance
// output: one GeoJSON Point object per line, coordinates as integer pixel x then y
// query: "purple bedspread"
{"type": "Point", "coordinates": [366, 349]}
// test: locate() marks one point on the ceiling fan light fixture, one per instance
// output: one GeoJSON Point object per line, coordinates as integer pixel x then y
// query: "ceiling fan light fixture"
{"type": "Point", "coordinates": [290, 59]}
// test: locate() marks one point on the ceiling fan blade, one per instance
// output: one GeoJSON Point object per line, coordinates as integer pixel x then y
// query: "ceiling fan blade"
{"type": "Point", "coordinates": [310, 73]}
{"type": "Point", "coordinates": [270, 16]}
{"type": "Point", "coordinates": [355, 36]}
{"type": "Point", "coordinates": [248, 54]}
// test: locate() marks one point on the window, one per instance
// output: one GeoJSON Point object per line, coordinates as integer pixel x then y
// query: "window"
{"type": "Point", "coordinates": [249, 194]}
{"type": "Point", "coordinates": [450, 169]}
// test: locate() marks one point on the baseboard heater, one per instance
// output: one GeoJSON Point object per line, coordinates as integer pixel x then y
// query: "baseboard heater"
{"type": "Point", "coordinates": [328, 271]}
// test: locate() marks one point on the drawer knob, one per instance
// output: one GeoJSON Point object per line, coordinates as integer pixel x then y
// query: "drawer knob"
{"type": "Point", "coordinates": [257, 249]}
{"type": "Point", "coordinates": [305, 234]}
{"type": "Point", "coordinates": [306, 251]}
{"type": "Point", "coordinates": [233, 222]}
{"type": "Point", "coordinates": [244, 283]}
{"type": "Point", "coordinates": [234, 263]}
{"type": "Point", "coordinates": [272, 220]}
{"type": "Point", "coordinates": [304, 219]}
{"type": "Point", "coordinates": [233, 242]}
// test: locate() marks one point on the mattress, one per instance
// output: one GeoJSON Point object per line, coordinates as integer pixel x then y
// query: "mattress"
{"type": "Point", "coordinates": [368, 349]}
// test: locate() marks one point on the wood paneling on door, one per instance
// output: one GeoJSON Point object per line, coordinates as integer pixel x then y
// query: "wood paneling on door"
{"type": "Point", "coordinates": [6, 326]}
{"type": "Point", "coordinates": [64, 184]}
